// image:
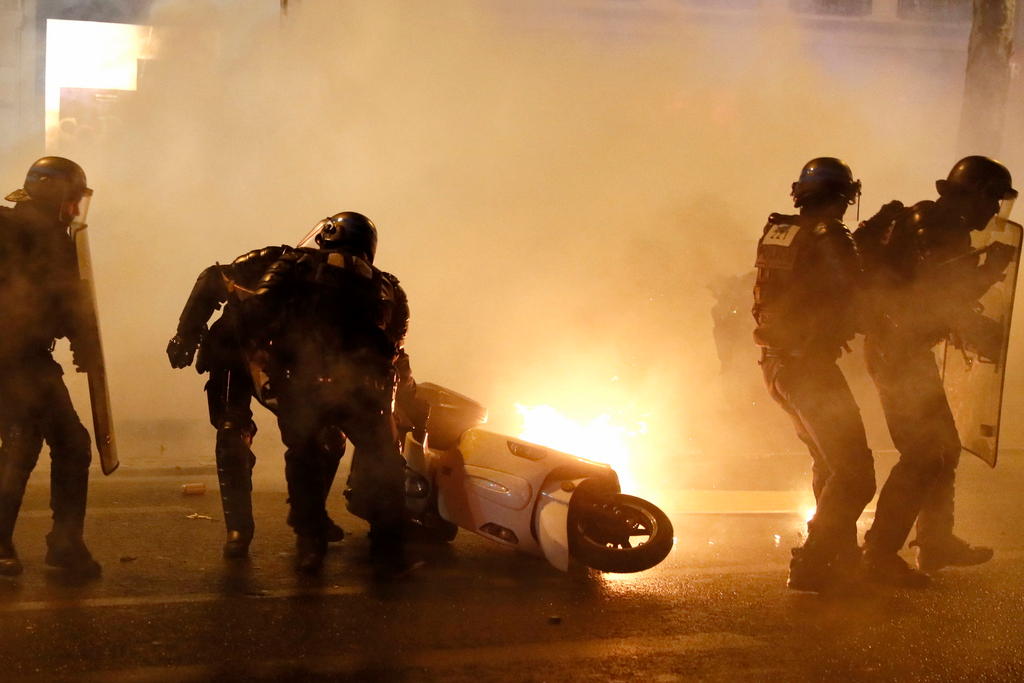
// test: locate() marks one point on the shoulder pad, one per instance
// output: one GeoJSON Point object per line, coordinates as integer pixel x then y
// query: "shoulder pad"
{"type": "Point", "coordinates": [350, 262]}
{"type": "Point", "coordinates": [830, 227]}
{"type": "Point", "coordinates": [391, 278]}
{"type": "Point", "coordinates": [921, 214]}
{"type": "Point", "coordinates": [266, 253]}
{"type": "Point", "coordinates": [776, 218]}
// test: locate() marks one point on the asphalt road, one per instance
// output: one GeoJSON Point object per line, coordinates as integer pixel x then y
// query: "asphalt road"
{"type": "Point", "coordinates": [169, 608]}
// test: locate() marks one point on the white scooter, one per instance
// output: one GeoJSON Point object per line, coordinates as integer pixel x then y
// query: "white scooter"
{"type": "Point", "coordinates": [541, 501]}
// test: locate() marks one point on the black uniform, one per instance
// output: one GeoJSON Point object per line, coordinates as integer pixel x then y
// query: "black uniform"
{"type": "Point", "coordinates": [337, 325]}
{"type": "Point", "coordinates": [230, 388]}
{"type": "Point", "coordinates": [40, 302]}
{"type": "Point", "coordinates": [807, 274]}
{"type": "Point", "coordinates": [925, 283]}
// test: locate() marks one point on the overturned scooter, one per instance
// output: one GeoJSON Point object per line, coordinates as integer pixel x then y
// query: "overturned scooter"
{"type": "Point", "coordinates": [539, 500]}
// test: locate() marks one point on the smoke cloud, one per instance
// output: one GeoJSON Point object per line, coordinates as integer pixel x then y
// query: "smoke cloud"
{"type": "Point", "coordinates": [560, 204]}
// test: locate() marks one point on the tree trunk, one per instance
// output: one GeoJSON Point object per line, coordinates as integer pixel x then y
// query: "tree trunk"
{"type": "Point", "coordinates": [988, 77]}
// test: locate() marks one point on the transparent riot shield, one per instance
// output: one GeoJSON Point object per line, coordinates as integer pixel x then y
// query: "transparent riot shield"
{"type": "Point", "coordinates": [974, 384]}
{"type": "Point", "coordinates": [99, 392]}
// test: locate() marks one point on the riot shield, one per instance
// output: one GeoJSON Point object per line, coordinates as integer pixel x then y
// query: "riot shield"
{"type": "Point", "coordinates": [974, 384]}
{"type": "Point", "coordinates": [99, 393]}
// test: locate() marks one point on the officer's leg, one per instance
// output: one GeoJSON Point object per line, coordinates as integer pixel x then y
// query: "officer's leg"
{"type": "Point", "coordinates": [229, 394]}
{"type": "Point", "coordinates": [938, 547]}
{"type": "Point", "coordinates": [816, 391]}
{"type": "Point", "coordinates": [820, 471]}
{"type": "Point", "coordinates": [22, 442]}
{"type": "Point", "coordinates": [834, 424]}
{"type": "Point", "coordinates": [377, 478]}
{"type": "Point", "coordinates": [71, 453]}
{"type": "Point", "coordinates": [911, 395]}
{"type": "Point", "coordinates": [332, 443]}
{"type": "Point", "coordinates": [304, 470]}
{"type": "Point", "coordinates": [935, 521]}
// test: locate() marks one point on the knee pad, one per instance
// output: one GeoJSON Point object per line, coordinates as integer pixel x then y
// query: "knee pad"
{"type": "Point", "coordinates": [73, 448]}
{"type": "Point", "coordinates": [332, 441]}
{"type": "Point", "coordinates": [231, 433]}
{"type": "Point", "coordinates": [21, 449]}
{"type": "Point", "coordinates": [233, 444]}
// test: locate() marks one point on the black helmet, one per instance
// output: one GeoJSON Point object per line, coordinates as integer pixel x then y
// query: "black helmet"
{"type": "Point", "coordinates": [350, 231]}
{"type": "Point", "coordinates": [52, 180]}
{"type": "Point", "coordinates": [978, 175]}
{"type": "Point", "coordinates": [825, 178]}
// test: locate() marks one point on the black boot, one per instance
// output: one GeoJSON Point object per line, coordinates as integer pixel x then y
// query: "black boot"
{"type": "Point", "coordinates": [890, 569]}
{"type": "Point", "coordinates": [309, 553]}
{"type": "Point", "coordinates": [334, 532]}
{"type": "Point", "coordinates": [237, 545]}
{"type": "Point", "coordinates": [234, 475]}
{"type": "Point", "coordinates": [809, 571]}
{"type": "Point", "coordinates": [334, 447]}
{"type": "Point", "coordinates": [10, 565]}
{"type": "Point", "coordinates": [951, 552]}
{"type": "Point", "coordinates": [13, 481]}
{"type": "Point", "coordinates": [846, 565]}
{"type": "Point", "coordinates": [65, 549]}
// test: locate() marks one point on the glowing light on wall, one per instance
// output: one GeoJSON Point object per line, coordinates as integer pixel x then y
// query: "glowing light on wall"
{"type": "Point", "coordinates": [89, 54]}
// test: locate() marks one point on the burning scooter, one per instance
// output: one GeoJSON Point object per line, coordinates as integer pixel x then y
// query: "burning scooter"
{"type": "Point", "coordinates": [539, 500]}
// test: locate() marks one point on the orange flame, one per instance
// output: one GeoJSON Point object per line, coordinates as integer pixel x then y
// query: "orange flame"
{"type": "Point", "coordinates": [599, 439]}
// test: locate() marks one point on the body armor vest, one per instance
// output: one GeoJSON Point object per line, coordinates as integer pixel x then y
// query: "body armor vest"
{"type": "Point", "coordinates": [918, 270]}
{"type": "Point", "coordinates": [799, 305]}
{"type": "Point", "coordinates": [346, 301]}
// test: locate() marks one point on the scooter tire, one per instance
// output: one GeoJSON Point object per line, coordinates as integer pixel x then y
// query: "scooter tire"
{"type": "Point", "coordinates": [590, 546]}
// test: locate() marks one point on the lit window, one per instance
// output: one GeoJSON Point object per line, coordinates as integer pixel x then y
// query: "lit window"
{"type": "Point", "coordinates": [89, 55]}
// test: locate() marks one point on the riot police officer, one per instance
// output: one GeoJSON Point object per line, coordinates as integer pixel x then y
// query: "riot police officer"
{"type": "Point", "coordinates": [804, 306]}
{"type": "Point", "coordinates": [230, 389]}
{"type": "Point", "coordinates": [926, 283]}
{"type": "Point", "coordinates": [338, 324]}
{"type": "Point", "coordinates": [41, 300]}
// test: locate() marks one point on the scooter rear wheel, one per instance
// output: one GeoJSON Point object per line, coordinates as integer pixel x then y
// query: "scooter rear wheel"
{"type": "Point", "coordinates": [615, 532]}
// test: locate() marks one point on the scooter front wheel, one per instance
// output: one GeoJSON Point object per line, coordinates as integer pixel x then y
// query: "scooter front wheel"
{"type": "Point", "coordinates": [615, 532]}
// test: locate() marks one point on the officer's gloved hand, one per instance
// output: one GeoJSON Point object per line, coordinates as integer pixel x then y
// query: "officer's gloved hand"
{"type": "Point", "coordinates": [85, 355]}
{"type": "Point", "coordinates": [983, 335]}
{"type": "Point", "coordinates": [998, 256]}
{"type": "Point", "coordinates": [180, 351]}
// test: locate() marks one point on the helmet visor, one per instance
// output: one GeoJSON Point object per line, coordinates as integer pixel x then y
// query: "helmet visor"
{"type": "Point", "coordinates": [1006, 204]}
{"type": "Point", "coordinates": [310, 239]}
{"type": "Point", "coordinates": [80, 215]}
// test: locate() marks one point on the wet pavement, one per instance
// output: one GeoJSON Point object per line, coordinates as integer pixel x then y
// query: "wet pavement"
{"type": "Point", "coordinates": [169, 608]}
